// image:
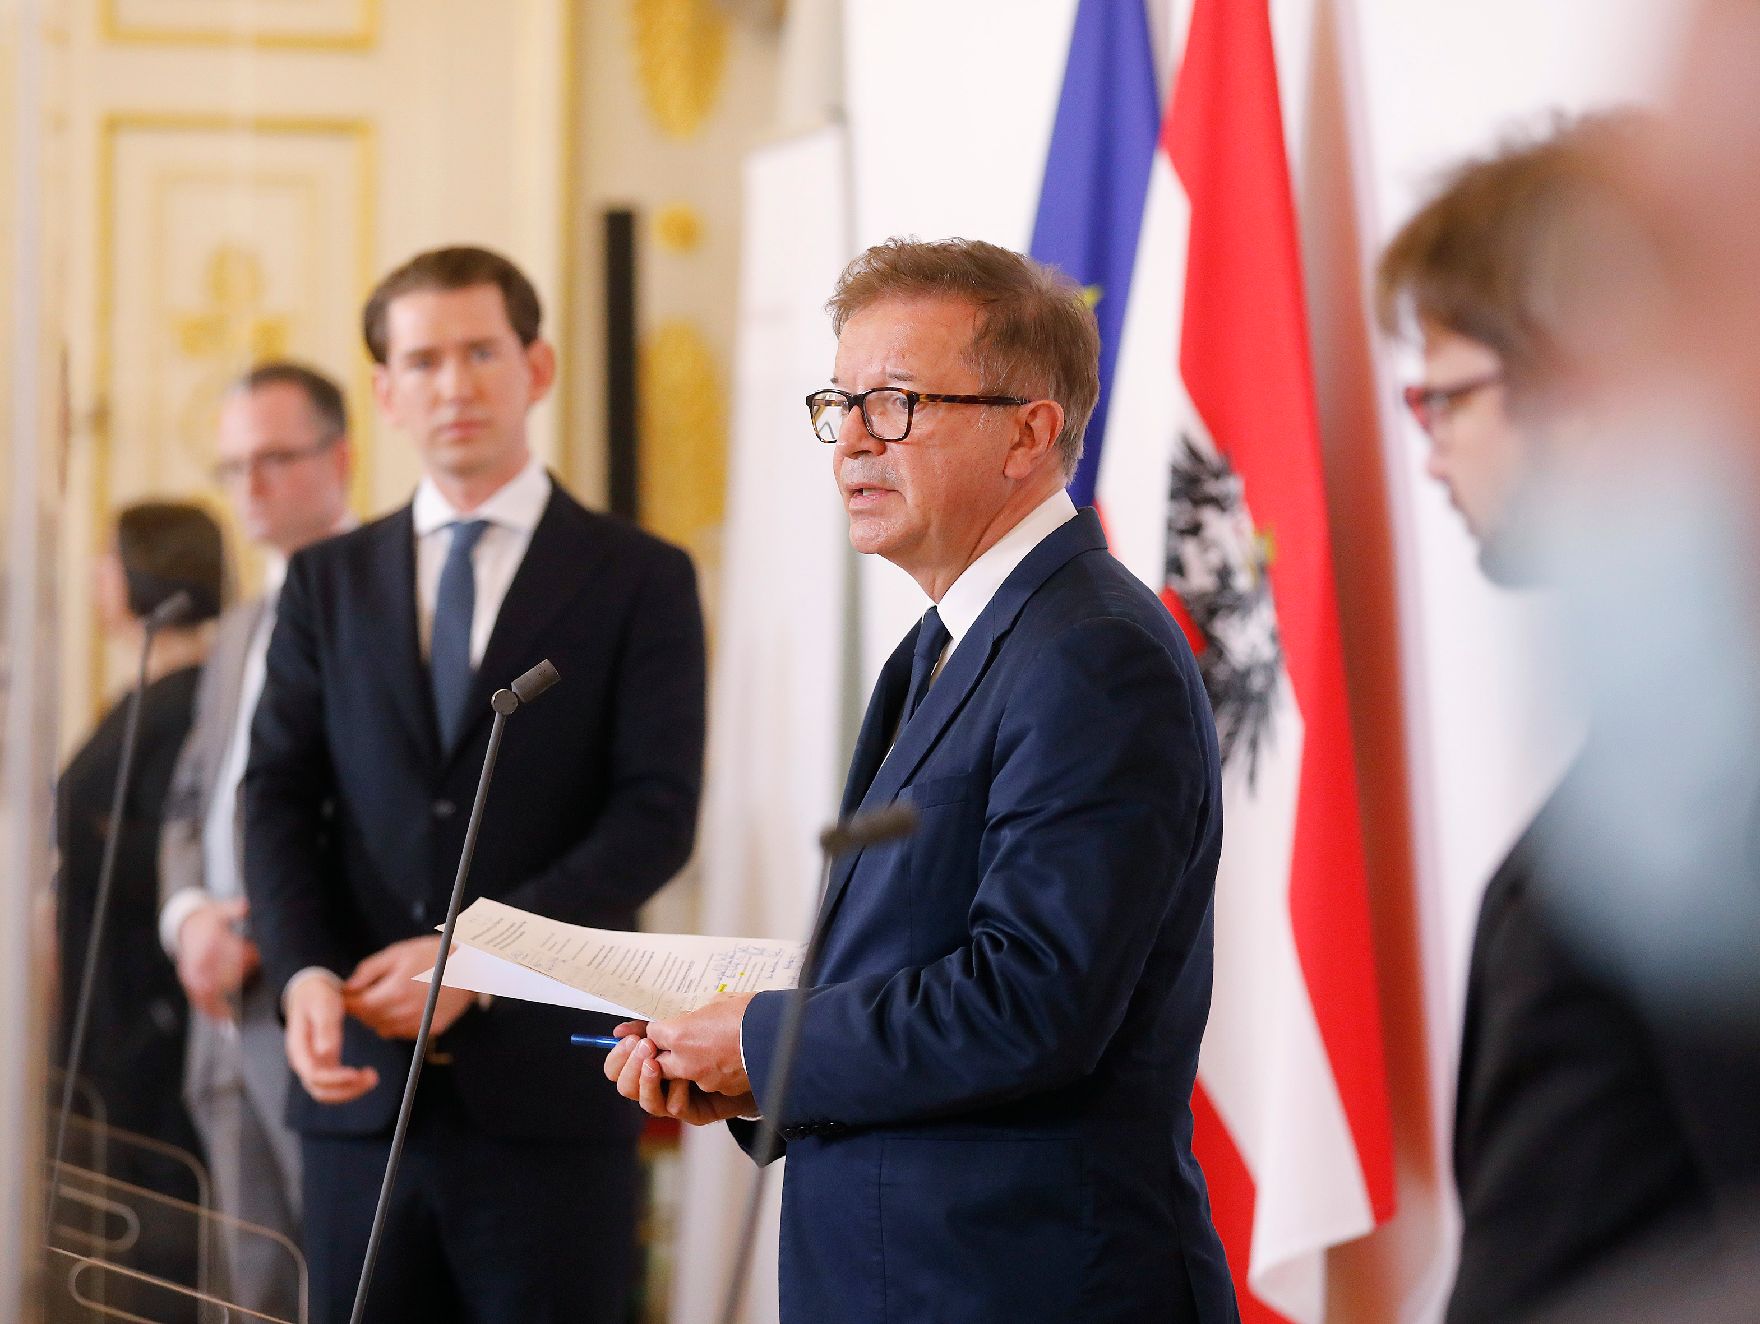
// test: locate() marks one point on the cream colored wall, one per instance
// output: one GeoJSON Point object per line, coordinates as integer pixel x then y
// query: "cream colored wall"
{"type": "Point", "coordinates": [324, 162]}
{"type": "Point", "coordinates": [669, 97]}
{"type": "Point", "coordinates": [671, 94]}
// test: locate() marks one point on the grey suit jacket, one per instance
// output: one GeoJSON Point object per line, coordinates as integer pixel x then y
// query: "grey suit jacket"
{"type": "Point", "coordinates": [216, 1063]}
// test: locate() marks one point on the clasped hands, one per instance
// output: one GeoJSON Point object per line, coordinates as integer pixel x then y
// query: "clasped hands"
{"type": "Point", "coordinates": [383, 995]}
{"type": "Point", "coordinates": [214, 958]}
{"type": "Point", "coordinates": [688, 1067]}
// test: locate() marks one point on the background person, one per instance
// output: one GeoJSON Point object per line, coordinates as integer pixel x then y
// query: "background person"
{"type": "Point", "coordinates": [283, 459]}
{"type": "Point", "coordinates": [1588, 1128]}
{"type": "Point", "coordinates": [134, 1037]}
{"type": "Point", "coordinates": [516, 1199]}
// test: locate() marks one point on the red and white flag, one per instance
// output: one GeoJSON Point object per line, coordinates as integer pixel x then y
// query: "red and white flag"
{"type": "Point", "coordinates": [1212, 489]}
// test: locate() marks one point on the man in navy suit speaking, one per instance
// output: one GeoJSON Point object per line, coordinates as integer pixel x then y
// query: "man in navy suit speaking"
{"type": "Point", "coordinates": [989, 1117]}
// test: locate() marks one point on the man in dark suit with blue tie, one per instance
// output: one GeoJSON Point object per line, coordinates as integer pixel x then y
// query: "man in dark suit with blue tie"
{"type": "Point", "coordinates": [989, 1118]}
{"type": "Point", "coordinates": [517, 1194]}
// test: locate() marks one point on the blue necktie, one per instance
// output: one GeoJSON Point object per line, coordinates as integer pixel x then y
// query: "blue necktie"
{"type": "Point", "coordinates": [449, 647]}
{"type": "Point", "coordinates": [932, 637]}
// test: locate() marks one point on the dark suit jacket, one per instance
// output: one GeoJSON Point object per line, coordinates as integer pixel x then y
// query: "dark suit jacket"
{"type": "Point", "coordinates": [1587, 1132]}
{"type": "Point", "coordinates": [355, 817]}
{"type": "Point", "coordinates": [990, 1117]}
{"type": "Point", "coordinates": [135, 1029]}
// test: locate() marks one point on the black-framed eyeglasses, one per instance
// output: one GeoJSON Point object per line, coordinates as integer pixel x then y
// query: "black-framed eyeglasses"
{"type": "Point", "coordinates": [887, 411]}
{"type": "Point", "coordinates": [1431, 404]}
{"type": "Point", "coordinates": [268, 462]}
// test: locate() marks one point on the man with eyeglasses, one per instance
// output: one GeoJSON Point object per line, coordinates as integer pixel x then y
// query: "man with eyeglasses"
{"type": "Point", "coordinates": [283, 463]}
{"type": "Point", "coordinates": [990, 1111]}
{"type": "Point", "coordinates": [1593, 1127]}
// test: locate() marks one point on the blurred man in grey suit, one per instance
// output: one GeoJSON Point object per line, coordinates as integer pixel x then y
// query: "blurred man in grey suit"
{"type": "Point", "coordinates": [283, 461]}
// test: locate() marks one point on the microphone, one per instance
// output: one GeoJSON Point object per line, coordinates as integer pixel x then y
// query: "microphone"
{"type": "Point", "coordinates": [860, 831]}
{"type": "Point", "coordinates": [845, 837]}
{"type": "Point", "coordinates": [524, 689]}
{"type": "Point", "coordinates": [504, 703]}
{"type": "Point", "coordinates": [174, 610]}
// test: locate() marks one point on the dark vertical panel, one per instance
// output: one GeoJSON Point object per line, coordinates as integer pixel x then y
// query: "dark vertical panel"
{"type": "Point", "coordinates": [621, 413]}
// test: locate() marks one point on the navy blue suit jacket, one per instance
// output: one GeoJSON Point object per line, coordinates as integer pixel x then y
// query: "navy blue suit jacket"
{"type": "Point", "coordinates": [355, 816]}
{"type": "Point", "coordinates": [990, 1115]}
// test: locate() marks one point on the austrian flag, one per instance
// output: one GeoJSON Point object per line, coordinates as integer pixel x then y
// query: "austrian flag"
{"type": "Point", "coordinates": [1206, 466]}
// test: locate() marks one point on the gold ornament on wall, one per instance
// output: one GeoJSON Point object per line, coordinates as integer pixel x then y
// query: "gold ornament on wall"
{"type": "Point", "coordinates": [681, 57]}
{"type": "Point", "coordinates": [233, 328]}
{"type": "Point", "coordinates": [235, 324]}
{"type": "Point", "coordinates": [678, 227]}
{"type": "Point", "coordinates": [684, 437]}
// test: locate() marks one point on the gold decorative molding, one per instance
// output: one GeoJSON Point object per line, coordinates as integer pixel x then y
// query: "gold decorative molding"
{"type": "Point", "coordinates": [681, 60]}
{"type": "Point", "coordinates": [232, 322]}
{"type": "Point", "coordinates": [358, 32]}
{"type": "Point", "coordinates": [683, 436]}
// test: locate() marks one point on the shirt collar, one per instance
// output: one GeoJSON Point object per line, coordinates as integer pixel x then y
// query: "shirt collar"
{"type": "Point", "coordinates": [968, 595]}
{"type": "Point", "coordinates": [518, 504]}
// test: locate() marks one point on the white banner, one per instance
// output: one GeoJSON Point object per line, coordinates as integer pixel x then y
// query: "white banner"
{"type": "Point", "coordinates": [775, 759]}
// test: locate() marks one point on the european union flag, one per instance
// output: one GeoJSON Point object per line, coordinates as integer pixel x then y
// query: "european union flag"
{"type": "Point", "coordinates": [1096, 178]}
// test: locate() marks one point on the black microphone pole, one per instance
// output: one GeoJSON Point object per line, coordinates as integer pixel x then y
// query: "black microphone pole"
{"type": "Point", "coordinates": [505, 703]}
{"type": "Point", "coordinates": [174, 610]}
{"type": "Point", "coordinates": [852, 834]}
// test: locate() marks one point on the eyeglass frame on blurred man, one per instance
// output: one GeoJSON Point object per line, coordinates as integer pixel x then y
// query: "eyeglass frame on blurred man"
{"type": "Point", "coordinates": [232, 471]}
{"type": "Point", "coordinates": [1431, 405]}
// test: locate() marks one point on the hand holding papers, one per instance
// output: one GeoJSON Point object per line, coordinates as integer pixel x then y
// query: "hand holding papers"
{"type": "Point", "coordinates": [512, 953]}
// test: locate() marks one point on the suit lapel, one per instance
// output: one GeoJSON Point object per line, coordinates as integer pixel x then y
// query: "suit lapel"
{"type": "Point", "coordinates": [884, 706]}
{"type": "Point", "coordinates": [225, 676]}
{"type": "Point", "coordinates": [391, 579]}
{"type": "Point", "coordinates": [965, 667]}
{"type": "Point", "coordinates": [559, 563]}
{"type": "Point", "coordinates": [967, 664]}
{"type": "Point", "coordinates": [219, 724]}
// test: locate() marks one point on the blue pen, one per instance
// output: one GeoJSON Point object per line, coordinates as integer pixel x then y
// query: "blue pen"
{"type": "Point", "coordinates": [593, 1040]}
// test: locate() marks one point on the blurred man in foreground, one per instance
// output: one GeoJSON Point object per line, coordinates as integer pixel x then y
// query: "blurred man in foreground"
{"type": "Point", "coordinates": [283, 461]}
{"type": "Point", "coordinates": [1588, 1128]}
{"type": "Point", "coordinates": [989, 1117]}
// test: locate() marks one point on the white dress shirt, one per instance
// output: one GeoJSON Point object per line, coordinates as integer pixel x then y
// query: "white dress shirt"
{"type": "Point", "coordinates": [965, 598]}
{"type": "Point", "coordinates": [512, 513]}
{"type": "Point", "coordinates": [968, 595]}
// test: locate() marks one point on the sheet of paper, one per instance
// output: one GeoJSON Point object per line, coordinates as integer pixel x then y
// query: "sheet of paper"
{"type": "Point", "coordinates": [651, 976]}
{"type": "Point", "coordinates": [479, 972]}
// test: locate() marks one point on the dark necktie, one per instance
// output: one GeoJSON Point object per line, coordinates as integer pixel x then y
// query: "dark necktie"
{"type": "Point", "coordinates": [932, 637]}
{"type": "Point", "coordinates": [449, 647]}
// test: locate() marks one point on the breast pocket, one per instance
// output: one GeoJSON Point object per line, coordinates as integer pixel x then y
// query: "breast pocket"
{"type": "Point", "coordinates": [943, 860]}
{"type": "Point", "coordinates": [931, 791]}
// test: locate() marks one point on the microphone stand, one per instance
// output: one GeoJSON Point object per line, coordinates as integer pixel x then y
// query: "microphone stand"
{"type": "Point", "coordinates": [174, 610]}
{"type": "Point", "coordinates": [843, 838]}
{"type": "Point", "coordinates": [505, 703]}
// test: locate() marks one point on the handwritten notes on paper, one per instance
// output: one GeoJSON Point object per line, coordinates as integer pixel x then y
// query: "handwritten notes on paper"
{"type": "Point", "coordinates": [648, 976]}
